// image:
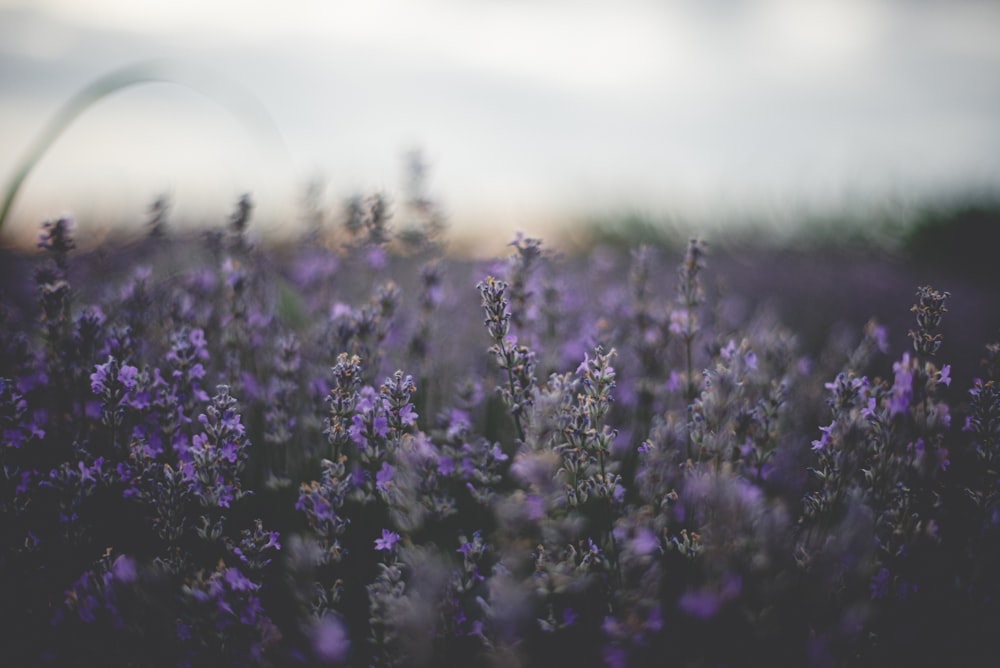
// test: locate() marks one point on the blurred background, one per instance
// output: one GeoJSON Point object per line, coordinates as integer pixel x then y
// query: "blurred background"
{"type": "Point", "coordinates": [528, 115]}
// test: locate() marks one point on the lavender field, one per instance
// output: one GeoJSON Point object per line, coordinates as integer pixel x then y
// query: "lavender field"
{"type": "Point", "coordinates": [357, 449]}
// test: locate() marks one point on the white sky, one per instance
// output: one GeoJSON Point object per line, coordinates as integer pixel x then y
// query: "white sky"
{"type": "Point", "coordinates": [527, 110]}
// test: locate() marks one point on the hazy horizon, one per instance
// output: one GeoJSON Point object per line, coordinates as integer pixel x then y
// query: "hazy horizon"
{"type": "Point", "coordinates": [527, 113]}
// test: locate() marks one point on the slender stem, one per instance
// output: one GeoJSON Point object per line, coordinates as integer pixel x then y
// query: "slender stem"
{"type": "Point", "coordinates": [611, 524]}
{"type": "Point", "coordinates": [690, 385]}
{"type": "Point", "coordinates": [515, 412]}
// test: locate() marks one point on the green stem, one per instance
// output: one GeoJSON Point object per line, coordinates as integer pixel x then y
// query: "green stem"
{"type": "Point", "coordinates": [510, 382]}
{"type": "Point", "coordinates": [611, 524]}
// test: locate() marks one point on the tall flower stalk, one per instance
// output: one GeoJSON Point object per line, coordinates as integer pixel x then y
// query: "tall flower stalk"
{"type": "Point", "coordinates": [684, 320]}
{"type": "Point", "coordinates": [516, 360]}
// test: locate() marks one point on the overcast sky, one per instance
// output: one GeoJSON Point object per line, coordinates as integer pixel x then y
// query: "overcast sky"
{"type": "Point", "coordinates": [526, 110]}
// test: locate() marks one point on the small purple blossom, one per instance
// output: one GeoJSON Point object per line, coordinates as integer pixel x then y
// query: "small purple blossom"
{"type": "Point", "coordinates": [824, 440]}
{"type": "Point", "coordinates": [99, 379]}
{"type": "Point", "coordinates": [330, 640]}
{"type": "Point", "coordinates": [682, 321]}
{"type": "Point", "coordinates": [880, 335]}
{"type": "Point", "coordinates": [357, 431]}
{"type": "Point", "coordinates": [870, 411]}
{"type": "Point", "coordinates": [376, 257]}
{"type": "Point", "coordinates": [879, 585]}
{"type": "Point", "coordinates": [706, 602]}
{"type": "Point", "coordinates": [237, 581]}
{"type": "Point", "coordinates": [673, 383]}
{"type": "Point", "coordinates": [615, 656]}
{"type": "Point", "coordinates": [902, 388]}
{"type": "Point", "coordinates": [445, 465]}
{"type": "Point", "coordinates": [644, 542]}
{"type": "Point", "coordinates": [407, 415]}
{"type": "Point", "coordinates": [384, 476]}
{"type": "Point", "coordinates": [367, 400]}
{"type": "Point", "coordinates": [534, 507]}
{"type": "Point", "coordinates": [124, 569]}
{"type": "Point", "coordinates": [387, 542]}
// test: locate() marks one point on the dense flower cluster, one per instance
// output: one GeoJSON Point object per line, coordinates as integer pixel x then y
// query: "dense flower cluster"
{"type": "Point", "coordinates": [216, 454]}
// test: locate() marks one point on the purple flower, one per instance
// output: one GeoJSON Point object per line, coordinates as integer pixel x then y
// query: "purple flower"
{"type": "Point", "coordinates": [358, 476]}
{"type": "Point", "coordinates": [384, 476]}
{"type": "Point", "coordinates": [701, 603]}
{"type": "Point", "coordinates": [366, 400]}
{"type": "Point", "coordinates": [825, 439]}
{"type": "Point", "coordinates": [673, 383]}
{"type": "Point", "coordinates": [682, 321]}
{"type": "Point", "coordinates": [644, 542]}
{"type": "Point", "coordinates": [534, 468]}
{"type": "Point", "coordinates": [331, 643]}
{"type": "Point", "coordinates": [654, 621]}
{"type": "Point", "coordinates": [879, 585]}
{"type": "Point", "coordinates": [407, 415]}
{"type": "Point", "coordinates": [615, 656]}
{"type": "Point", "coordinates": [612, 627]}
{"type": "Point", "coordinates": [230, 451]}
{"type": "Point", "coordinates": [124, 569]}
{"type": "Point", "coordinates": [87, 473]}
{"type": "Point", "coordinates": [232, 272]}
{"type": "Point", "coordinates": [183, 631]}
{"type": "Point", "coordinates": [534, 506]}
{"type": "Point", "coordinates": [705, 603]}
{"type": "Point", "coordinates": [468, 469]}
{"type": "Point", "coordinates": [618, 494]}
{"type": "Point", "coordinates": [380, 425]}
{"type": "Point", "coordinates": [387, 542]}
{"type": "Point", "coordinates": [99, 379]}
{"type": "Point", "coordinates": [231, 420]}
{"type": "Point", "coordinates": [128, 376]}
{"type": "Point", "coordinates": [237, 581]}
{"type": "Point", "coordinates": [869, 410]}
{"type": "Point", "coordinates": [340, 310]}
{"type": "Point", "coordinates": [902, 388]}
{"type": "Point", "coordinates": [357, 430]}
{"type": "Point", "coordinates": [943, 461]}
{"type": "Point", "coordinates": [458, 422]}
{"type": "Point", "coordinates": [197, 339]}
{"type": "Point", "coordinates": [880, 335]}
{"type": "Point", "coordinates": [445, 465]}
{"type": "Point", "coordinates": [22, 486]}
{"type": "Point", "coordinates": [476, 629]}
{"type": "Point", "coordinates": [376, 257]}
{"type": "Point", "coordinates": [272, 541]}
